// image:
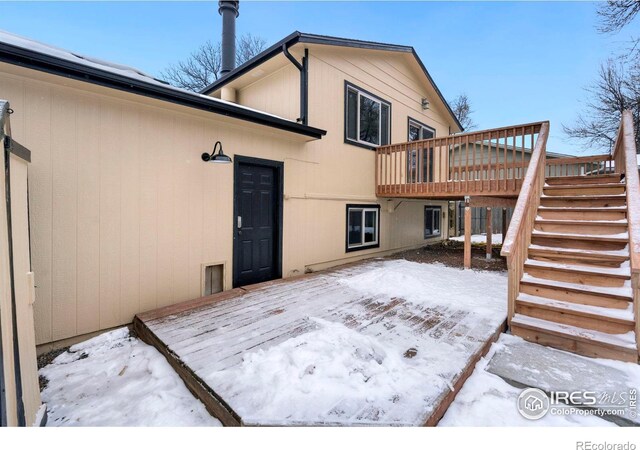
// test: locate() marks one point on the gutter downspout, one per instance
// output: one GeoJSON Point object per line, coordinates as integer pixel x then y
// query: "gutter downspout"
{"type": "Point", "coordinates": [304, 82]}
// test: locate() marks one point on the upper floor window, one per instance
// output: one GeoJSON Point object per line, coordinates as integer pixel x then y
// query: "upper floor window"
{"type": "Point", "coordinates": [420, 171]}
{"type": "Point", "coordinates": [419, 131]}
{"type": "Point", "coordinates": [367, 118]}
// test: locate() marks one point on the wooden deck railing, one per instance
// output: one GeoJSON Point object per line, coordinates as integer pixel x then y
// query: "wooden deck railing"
{"type": "Point", "coordinates": [626, 162]}
{"type": "Point", "coordinates": [580, 165]}
{"type": "Point", "coordinates": [518, 238]}
{"type": "Point", "coordinates": [487, 162]}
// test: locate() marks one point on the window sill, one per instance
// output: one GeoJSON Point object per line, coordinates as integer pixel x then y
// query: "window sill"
{"type": "Point", "coordinates": [363, 247]}
{"type": "Point", "coordinates": [359, 144]}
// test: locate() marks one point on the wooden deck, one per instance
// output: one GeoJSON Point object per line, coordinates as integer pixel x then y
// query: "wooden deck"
{"type": "Point", "coordinates": [489, 163]}
{"type": "Point", "coordinates": [206, 338]}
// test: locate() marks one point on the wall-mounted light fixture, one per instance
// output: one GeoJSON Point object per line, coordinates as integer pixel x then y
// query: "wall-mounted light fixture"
{"type": "Point", "coordinates": [219, 158]}
{"type": "Point", "coordinates": [425, 104]}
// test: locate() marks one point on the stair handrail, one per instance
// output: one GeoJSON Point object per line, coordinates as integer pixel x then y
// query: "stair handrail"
{"type": "Point", "coordinates": [518, 238]}
{"type": "Point", "coordinates": [626, 162]}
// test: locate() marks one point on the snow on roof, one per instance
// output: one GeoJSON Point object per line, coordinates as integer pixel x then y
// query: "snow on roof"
{"type": "Point", "coordinates": [50, 50]}
{"type": "Point", "coordinates": [114, 68]}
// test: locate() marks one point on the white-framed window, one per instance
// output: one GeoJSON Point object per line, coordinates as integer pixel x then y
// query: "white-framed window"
{"type": "Point", "coordinates": [367, 118]}
{"type": "Point", "coordinates": [363, 227]}
{"type": "Point", "coordinates": [432, 221]}
{"type": "Point", "coordinates": [417, 131]}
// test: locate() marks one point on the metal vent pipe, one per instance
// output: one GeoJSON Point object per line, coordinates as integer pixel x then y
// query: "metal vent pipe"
{"type": "Point", "coordinates": [229, 10]}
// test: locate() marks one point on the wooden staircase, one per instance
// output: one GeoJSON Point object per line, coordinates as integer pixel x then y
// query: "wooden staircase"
{"type": "Point", "coordinates": [575, 292]}
{"type": "Point", "coordinates": [573, 252]}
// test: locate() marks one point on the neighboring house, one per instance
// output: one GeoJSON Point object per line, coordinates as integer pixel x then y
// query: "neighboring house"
{"type": "Point", "coordinates": [125, 215]}
{"type": "Point", "coordinates": [480, 156]}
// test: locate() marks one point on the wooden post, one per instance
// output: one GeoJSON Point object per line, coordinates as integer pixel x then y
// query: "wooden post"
{"type": "Point", "coordinates": [467, 234]}
{"type": "Point", "coordinates": [504, 223]}
{"type": "Point", "coordinates": [489, 229]}
{"type": "Point", "coordinates": [504, 227]}
{"type": "Point", "coordinates": [635, 285]}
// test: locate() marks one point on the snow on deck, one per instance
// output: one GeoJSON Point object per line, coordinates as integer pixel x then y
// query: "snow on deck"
{"type": "Point", "coordinates": [116, 380]}
{"type": "Point", "coordinates": [381, 342]}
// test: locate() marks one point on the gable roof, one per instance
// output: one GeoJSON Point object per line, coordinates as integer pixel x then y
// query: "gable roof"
{"type": "Point", "coordinates": [298, 37]}
{"type": "Point", "coordinates": [35, 55]}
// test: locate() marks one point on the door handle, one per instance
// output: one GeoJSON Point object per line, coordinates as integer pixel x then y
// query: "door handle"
{"type": "Point", "coordinates": [239, 221]}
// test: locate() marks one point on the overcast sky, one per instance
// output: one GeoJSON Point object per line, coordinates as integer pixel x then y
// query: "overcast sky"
{"type": "Point", "coordinates": [517, 61]}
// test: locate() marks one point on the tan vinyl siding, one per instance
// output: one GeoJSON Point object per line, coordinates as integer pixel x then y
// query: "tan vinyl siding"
{"type": "Point", "coordinates": [124, 212]}
{"type": "Point", "coordinates": [261, 94]}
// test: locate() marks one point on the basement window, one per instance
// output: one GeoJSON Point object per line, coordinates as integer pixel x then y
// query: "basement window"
{"type": "Point", "coordinates": [367, 118]}
{"type": "Point", "coordinates": [363, 224]}
{"type": "Point", "coordinates": [432, 215]}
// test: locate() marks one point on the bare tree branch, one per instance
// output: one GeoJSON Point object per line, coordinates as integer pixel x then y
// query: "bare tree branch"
{"type": "Point", "coordinates": [616, 89]}
{"type": "Point", "coordinates": [461, 107]}
{"type": "Point", "coordinates": [247, 47]}
{"type": "Point", "coordinates": [616, 14]}
{"type": "Point", "coordinates": [202, 67]}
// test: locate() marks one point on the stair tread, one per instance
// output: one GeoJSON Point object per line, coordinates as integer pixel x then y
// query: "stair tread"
{"type": "Point", "coordinates": [581, 221]}
{"type": "Point", "coordinates": [622, 271]}
{"type": "Point", "coordinates": [617, 237]}
{"type": "Point", "coordinates": [583, 177]}
{"type": "Point", "coordinates": [583, 197]}
{"type": "Point", "coordinates": [626, 341]}
{"type": "Point", "coordinates": [583, 186]}
{"type": "Point", "coordinates": [624, 314]}
{"type": "Point", "coordinates": [622, 291]}
{"type": "Point", "coordinates": [616, 253]}
{"type": "Point", "coordinates": [583, 208]}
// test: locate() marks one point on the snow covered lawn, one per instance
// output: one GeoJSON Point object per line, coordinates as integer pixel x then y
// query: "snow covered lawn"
{"type": "Point", "coordinates": [116, 380]}
{"type": "Point", "coordinates": [480, 238]}
{"type": "Point", "coordinates": [381, 342]}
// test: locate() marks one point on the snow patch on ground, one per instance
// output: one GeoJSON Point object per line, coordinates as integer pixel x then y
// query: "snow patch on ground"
{"type": "Point", "coordinates": [479, 238]}
{"type": "Point", "coordinates": [116, 380]}
{"type": "Point", "coordinates": [486, 400]}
